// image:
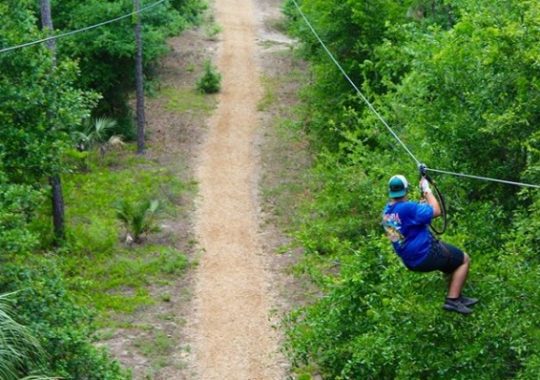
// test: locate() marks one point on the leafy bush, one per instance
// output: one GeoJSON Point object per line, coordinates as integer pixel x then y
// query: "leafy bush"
{"type": "Point", "coordinates": [94, 133]}
{"type": "Point", "coordinates": [210, 82]}
{"type": "Point", "coordinates": [458, 83]}
{"type": "Point", "coordinates": [19, 348]}
{"type": "Point", "coordinates": [379, 321]}
{"type": "Point", "coordinates": [17, 204]}
{"type": "Point", "coordinates": [105, 53]}
{"type": "Point", "coordinates": [62, 327]}
{"type": "Point", "coordinates": [138, 218]}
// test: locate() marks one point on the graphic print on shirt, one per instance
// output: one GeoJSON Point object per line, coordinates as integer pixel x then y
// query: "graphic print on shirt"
{"type": "Point", "coordinates": [392, 226]}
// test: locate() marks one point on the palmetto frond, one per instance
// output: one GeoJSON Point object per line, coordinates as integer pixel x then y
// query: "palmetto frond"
{"type": "Point", "coordinates": [18, 347]}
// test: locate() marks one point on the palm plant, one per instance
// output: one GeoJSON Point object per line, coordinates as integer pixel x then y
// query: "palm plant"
{"type": "Point", "coordinates": [96, 134]}
{"type": "Point", "coordinates": [138, 218]}
{"type": "Point", "coordinates": [19, 349]}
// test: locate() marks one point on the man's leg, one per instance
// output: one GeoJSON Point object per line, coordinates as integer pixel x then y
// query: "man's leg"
{"type": "Point", "coordinates": [458, 278]}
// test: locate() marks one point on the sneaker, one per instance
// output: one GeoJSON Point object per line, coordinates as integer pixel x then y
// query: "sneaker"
{"type": "Point", "coordinates": [456, 306]}
{"type": "Point", "coordinates": [467, 301]}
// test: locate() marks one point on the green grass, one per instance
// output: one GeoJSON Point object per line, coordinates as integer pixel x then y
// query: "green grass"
{"type": "Point", "coordinates": [118, 283]}
{"type": "Point", "coordinates": [270, 96]}
{"type": "Point", "coordinates": [104, 273]}
{"type": "Point", "coordinates": [212, 30]}
{"type": "Point", "coordinates": [157, 345]}
{"type": "Point", "coordinates": [157, 348]}
{"type": "Point", "coordinates": [188, 100]}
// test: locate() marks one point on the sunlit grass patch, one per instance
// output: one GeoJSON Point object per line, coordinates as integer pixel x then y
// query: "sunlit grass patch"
{"type": "Point", "coordinates": [188, 100]}
{"type": "Point", "coordinates": [108, 275]}
{"type": "Point", "coordinates": [90, 198]}
{"type": "Point", "coordinates": [120, 282]}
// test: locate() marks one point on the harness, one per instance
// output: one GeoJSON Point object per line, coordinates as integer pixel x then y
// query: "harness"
{"type": "Point", "coordinates": [438, 230]}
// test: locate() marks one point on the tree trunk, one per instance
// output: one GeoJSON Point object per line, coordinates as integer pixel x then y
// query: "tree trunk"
{"type": "Point", "coordinates": [139, 80]}
{"type": "Point", "coordinates": [47, 24]}
{"type": "Point", "coordinates": [57, 207]}
{"type": "Point", "coordinates": [54, 180]}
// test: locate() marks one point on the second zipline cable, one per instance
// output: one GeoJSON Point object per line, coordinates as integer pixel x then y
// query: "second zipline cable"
{"type": "Point", "coordinates": [61, 35]}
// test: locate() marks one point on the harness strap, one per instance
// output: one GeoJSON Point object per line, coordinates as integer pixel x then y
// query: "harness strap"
{"type": "Point", "coordinates": [440, 199]}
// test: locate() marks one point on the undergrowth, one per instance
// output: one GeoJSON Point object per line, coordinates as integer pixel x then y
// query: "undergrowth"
{"type": "Point", "coordinates": [374, 319]}
{"type": "Point", "coordinates": [105, 273]}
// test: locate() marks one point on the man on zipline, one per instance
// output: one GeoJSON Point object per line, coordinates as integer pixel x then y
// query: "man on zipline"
{"type": "Point", "coordinates": [406, 224]}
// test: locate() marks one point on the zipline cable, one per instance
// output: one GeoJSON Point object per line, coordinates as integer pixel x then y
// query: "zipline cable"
{"type": "Point", "coordinates": [484, 178]}
{"type": "Point", "coordinates": [11, 48]}
{"type": "Point", "coordinates": [383, 121]}
{"type": "Point", "coordinates": [354, 84]}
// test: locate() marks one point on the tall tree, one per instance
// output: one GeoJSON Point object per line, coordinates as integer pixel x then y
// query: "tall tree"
{"type": "Point", "coordinates": [139, 79]}
{"type": "Point", "coordinates": [54, 180]}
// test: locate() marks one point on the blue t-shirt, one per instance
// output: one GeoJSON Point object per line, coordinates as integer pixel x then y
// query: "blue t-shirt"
{"type": "Point", "coordinates": [406, 224]}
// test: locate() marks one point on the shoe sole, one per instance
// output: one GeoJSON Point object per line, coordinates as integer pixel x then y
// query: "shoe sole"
{"type": "Point", "coordinates": [469, 304]}
{"type": "Point", "coordinates": [450, 308]}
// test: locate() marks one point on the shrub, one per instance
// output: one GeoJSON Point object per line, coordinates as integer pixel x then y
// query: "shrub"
{"type": "Point", "coordinates": [19, 348]}
{"type": "Point", "coordinates": [62, 327]}
{"type": "Point", "coordinates": [431, 80]}
{"type": "Point", "coordinates": [94, 133]}
{"type": "Point", "coordinates": [379, 321]}
{"type": "Point", "coordinates": [138, 218]}
{"type": "Point", "coordinates": [17, 204]}
{"type": "Point", "coordinates": [210, 82]}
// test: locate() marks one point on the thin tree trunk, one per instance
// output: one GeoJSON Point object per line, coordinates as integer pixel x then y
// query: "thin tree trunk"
{"type": "Point", "coordinates": [139, 80]}
{"type": "Point", "coordinates": [57, 197]}
{"type": "Point", "coordinates": [47, 24]}
{"type": "Point", "coordinates": [57, 207]}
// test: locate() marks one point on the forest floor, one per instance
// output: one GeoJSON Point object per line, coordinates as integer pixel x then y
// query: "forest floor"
{"type": "Point", "coordinates": [221, 321]}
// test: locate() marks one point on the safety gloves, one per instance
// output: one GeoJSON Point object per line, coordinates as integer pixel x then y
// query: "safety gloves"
{"type": "Point", "coordinates": [424, 186]}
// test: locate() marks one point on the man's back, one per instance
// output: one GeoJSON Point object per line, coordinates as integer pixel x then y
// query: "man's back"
{"type": "Point", "coordinates": [406, 224]}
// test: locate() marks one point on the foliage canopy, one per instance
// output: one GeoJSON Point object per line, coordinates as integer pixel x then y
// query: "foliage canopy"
{"type": "Point", "coordinates": [459, 81]}
{"type": "Point", "coordinates": [45, 102]}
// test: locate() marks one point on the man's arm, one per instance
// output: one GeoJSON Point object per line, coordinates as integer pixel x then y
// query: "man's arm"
{"type": "Point", "coordinates": [430, 198]}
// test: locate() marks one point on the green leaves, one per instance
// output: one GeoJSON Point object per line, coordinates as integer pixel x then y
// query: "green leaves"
{"type": "Point", "coordinates": [61, 326]}
{"type": "Point", "coordinates": [17, 205]}
{"type": "Point", "coordinates": [19, 349]}
{"type": "Point", "coordinates": [459, 81]}
{"type": "Point", "coordinates": [138, 218]}
{"type": "Point", "coordinates": [40, 106]}
{"type": "Point", "coordinates": [106, 55]}
{"type": "Point", "coordinates": [210, 81]}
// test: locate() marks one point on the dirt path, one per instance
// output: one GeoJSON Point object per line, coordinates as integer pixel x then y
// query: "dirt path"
{"type": "Point", "coordinates": [233, 335]}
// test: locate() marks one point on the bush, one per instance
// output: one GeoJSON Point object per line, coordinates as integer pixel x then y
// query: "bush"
{"type": "Point", "coordinates": [210, 82]}
{"type": "Point", "coordinates": [428, 73]}
{"type": "Point", "coordinates": [379, 321]}
{"type": "Point", "coordinates": [138, 218]}
{"type": "Point", "coordinates": [20, 349]}
{"type": "Point", "coordinates": [17, 204]}
{"type": "Point", "coordinates": [63, 328]}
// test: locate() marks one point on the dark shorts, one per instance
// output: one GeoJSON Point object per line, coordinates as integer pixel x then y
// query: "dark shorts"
{"type": "Point", "coordinates": [442, 256]}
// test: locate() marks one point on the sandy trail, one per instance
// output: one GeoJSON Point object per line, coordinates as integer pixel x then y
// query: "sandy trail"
{"type": "Point", "coordinates": [233, 336]}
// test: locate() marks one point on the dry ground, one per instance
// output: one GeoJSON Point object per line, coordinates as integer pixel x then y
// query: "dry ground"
{"type": "Point", "coordinates": [151, 342]}
{"type": "Point", "coordinates": [222, 320]}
